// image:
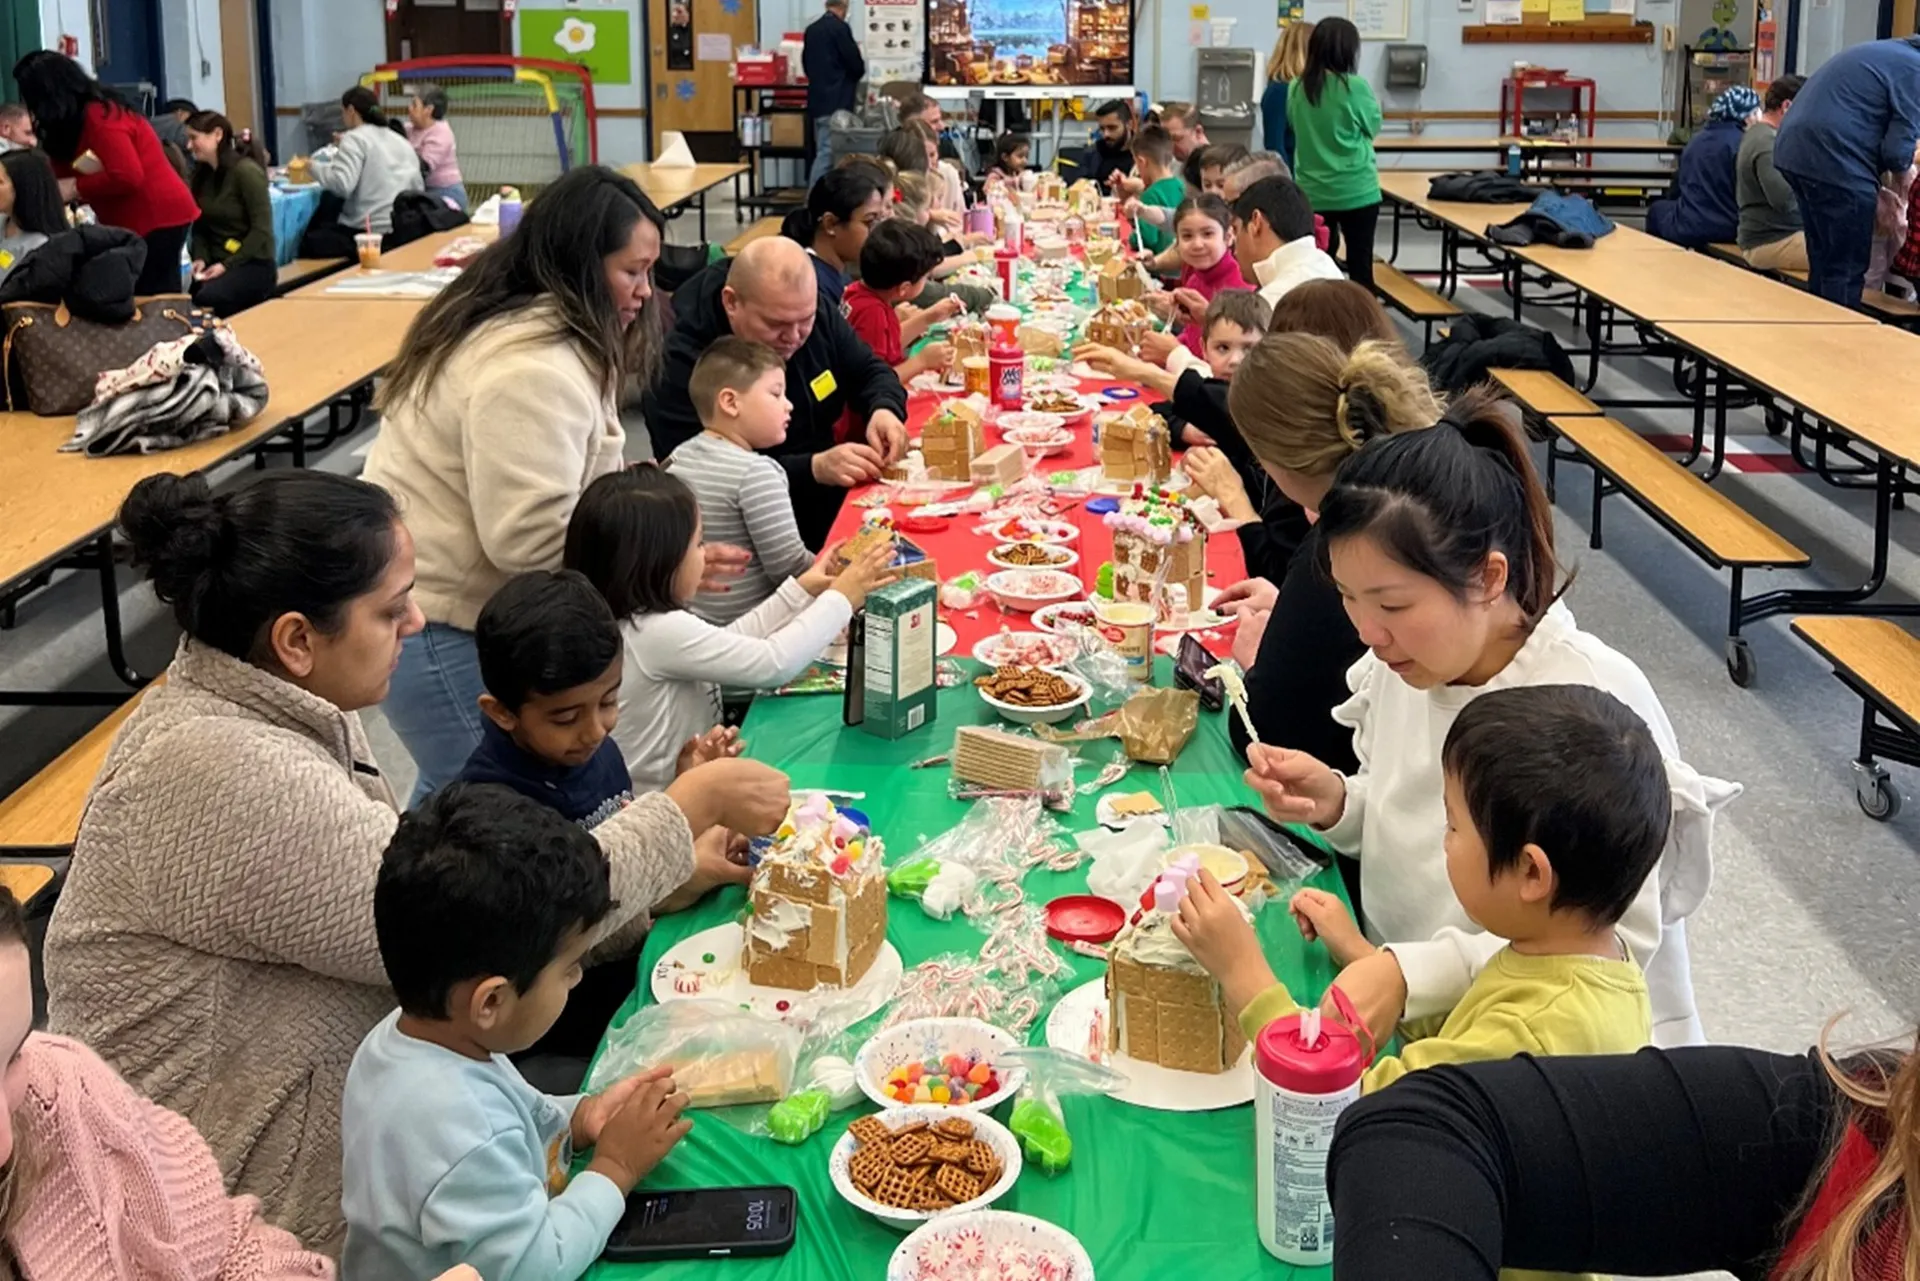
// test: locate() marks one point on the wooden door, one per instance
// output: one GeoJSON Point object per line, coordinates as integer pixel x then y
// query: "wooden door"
{"type": "Point", "coordinates": [437, 28]}
{"type": "Point", "coordinates": [689, 68]}
{"type": "Point", "coordinates": [238, 50]}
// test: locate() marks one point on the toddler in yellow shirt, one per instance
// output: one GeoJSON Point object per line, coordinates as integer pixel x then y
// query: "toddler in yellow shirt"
{"type": "Point", "coordinates": [1557, 809]}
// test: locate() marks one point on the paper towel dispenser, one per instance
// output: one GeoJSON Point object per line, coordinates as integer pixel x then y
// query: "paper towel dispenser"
{"type": "Point", "coordinates": [1406, 66]}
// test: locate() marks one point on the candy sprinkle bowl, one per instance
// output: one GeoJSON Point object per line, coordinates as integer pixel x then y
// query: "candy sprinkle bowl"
{"type": "Point", "coordinates": [1025, 590]}
{"type": "Point", "coordinates": [969, 1244]}
{"type": "Point", "coordinates": [1005, 1147]}
{"type": "Point", "coordinates": [920, 1044]}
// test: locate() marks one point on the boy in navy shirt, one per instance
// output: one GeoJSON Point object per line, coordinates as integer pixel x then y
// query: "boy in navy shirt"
{"type": "Point", "coordinates": [550, 659]}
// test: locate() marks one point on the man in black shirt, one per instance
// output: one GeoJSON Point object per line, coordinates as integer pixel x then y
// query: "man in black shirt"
{"type": "Point", "coordinates": [831, 58]}
{"type": "Point", "coordinates": [1113, 148]}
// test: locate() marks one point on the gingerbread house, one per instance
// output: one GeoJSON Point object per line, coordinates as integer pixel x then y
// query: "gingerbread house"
{"type": "Point", "coordinates": [1084, 198]}
{"type": "Point", "coordinates": [817, 904]}
{"type": "Point", "coordinates": [1101, 250]}
{"type": "Point", "coordinates": [1122, 278]}
{"type": "Point", "coordinates": [951, 438]}
{"type": "Point", "coordinates": [1158, 545]}
{"type": "Point", "coordinates": [1163, 1006]}
{"type": "Point", "coordinates": [967, 337]}
{"type": "Point", "coordinates": [1049, 188]}
{"type": "Point", "coordinates": [1119, 325]}
{"type": "Point", "coordinates": [1134, 448]}
{"type": "Point", "coordinates": [1041, 340]}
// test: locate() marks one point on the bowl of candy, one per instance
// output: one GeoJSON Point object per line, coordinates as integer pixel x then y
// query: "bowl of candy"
{"type": "Point", "coordinates": [1032, 556]}
{"type": "Point", "coordinates": [1072, 613]}
{"type": "Point", "coordinates": [1025, 590]}
{"type": "Point", "coordinates": [1020, 420]}
{"type": "Point", "coordinates": [998, 1244]}
{"type": "Point", "coordinates": [1025, 649]}
{"type": "Point", "coordinates": [908, 1165]}
{"type": "Point", "coordinates": [1033, 695]}
{"type": "Point", "coordinates": [946, 1062]}
{"type": "Point", "coordinates": [1016, 529]}
{"type": "Point", "coordinates": [1069, 406]}
{"type": "Point", "coordinates": [1039, 442]}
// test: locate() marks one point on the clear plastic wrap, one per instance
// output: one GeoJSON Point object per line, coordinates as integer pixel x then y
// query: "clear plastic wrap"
{"type": "Point", "coordinates": [1100, 665]}
{"type": "Point", "coordinates": [720, 1054]}
{"type": "Point", "coordinates": [1037, 1119]}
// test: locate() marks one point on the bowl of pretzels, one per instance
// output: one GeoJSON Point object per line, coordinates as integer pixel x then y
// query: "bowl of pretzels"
{"type": "Point", "coordinates": [1033, 695]}
{"type": "Point", "coordinates": [911, 1164]}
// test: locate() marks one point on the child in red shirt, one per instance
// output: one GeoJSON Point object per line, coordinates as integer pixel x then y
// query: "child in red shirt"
{"type": "Point", "coordinates": [894, 265]}
{"type": "Point", "coordinates": [1203, 235]}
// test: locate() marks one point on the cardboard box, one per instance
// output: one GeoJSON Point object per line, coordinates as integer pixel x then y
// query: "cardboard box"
{"type": "Point", "coordinates": [784, 129]}
{"type": "Point", "coordinates": [901, 692]}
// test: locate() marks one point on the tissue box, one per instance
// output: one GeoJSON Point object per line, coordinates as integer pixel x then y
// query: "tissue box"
{"type": "Point", "coordinates": [760, 69]}
{"type": "Point", "coordinates": [901, 693]}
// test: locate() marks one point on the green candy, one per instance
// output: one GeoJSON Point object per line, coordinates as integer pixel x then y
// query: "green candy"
{"type": "Point", "coordinates": [1103, 580]}
{"type": "Point", "coordinates": [795, 1119]}
{"type": "Point", "coordinates": [1043, 1135]}
{"type": "Point", "coordinates": [911, 878]}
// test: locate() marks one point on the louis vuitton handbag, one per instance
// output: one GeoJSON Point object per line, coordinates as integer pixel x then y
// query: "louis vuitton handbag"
{"type": "Point", "coordinates": [52, 358]}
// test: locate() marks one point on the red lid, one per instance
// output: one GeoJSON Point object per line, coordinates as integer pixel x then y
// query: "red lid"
{"type": "Point", "coordinates": [1084, 918]}
{"type": "Point", "coordinates": [922, 524]}
{"type": "Point", "coordinates": [1328, 1066]}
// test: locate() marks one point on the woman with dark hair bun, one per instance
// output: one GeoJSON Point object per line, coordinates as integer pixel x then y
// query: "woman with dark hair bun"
{"type": "Point", "coordinates": [841, 209]}
{"type": "Point", "coordinates": [214, 941]}
{"type": "Point", "coordinates": [107, 155]}
{"type": "Point", "coordinates": [368, 167]}
{"type": "Point", "coordinates": [1441, 542]}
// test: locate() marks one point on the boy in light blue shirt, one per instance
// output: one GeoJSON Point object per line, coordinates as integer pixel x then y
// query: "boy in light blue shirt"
{"type": "Point", "coordinates": [484, 908]}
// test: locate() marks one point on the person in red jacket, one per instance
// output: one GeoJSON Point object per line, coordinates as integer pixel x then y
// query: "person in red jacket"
{"type": "Point", "coordinates": [108, 156]}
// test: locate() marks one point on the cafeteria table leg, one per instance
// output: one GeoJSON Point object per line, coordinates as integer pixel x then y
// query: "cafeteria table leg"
{"type": "Point", "coordinates": [1848, 600]}
{"type": "Point", "coordinates": [110, 614]}
{"type": "Point", "coordinates": [1719, 458]}
{"type": "Point", "coordinates": [1593, 340]}
{"type": "Point", "coordinates": [1393, 250]}
{"type": "Point", "coordinates": [703, 217]}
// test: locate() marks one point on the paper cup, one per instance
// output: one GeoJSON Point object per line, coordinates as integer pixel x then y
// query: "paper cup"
{"type": "Point", "coordinates": [368, 244]}
{"type": "Point", "coordinates": [1128, 627]}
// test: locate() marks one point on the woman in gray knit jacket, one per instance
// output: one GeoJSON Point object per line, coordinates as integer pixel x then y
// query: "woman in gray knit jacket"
{"type": "Point", "coordinates": [215, 941]}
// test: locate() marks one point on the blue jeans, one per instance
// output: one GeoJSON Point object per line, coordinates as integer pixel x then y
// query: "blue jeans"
{"type": "Point", "coordinates": [1839, 225]}
{"type": "Point", "coordinates": [434, 704]}
{"type": "Point", "coordinates": [822, 149]}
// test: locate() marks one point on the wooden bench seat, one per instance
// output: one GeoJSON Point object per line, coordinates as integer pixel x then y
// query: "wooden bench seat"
{"type": "Point", "coordinates": [1880, 662]}
{"type": "Point", "coordinates": [304, 271]}
{"type": "Point", "coordinates": [1727, 252]}
{"type": "Point", "coordinates": [1716, 527]}
{"type": "Point", "coordinates": [1542, 394]}
{"type": "Point", "coordinates": [1896, 311]}
{"type": "Point", "coordinates": [43, 814]}
{"type": "Point", "coordinates": [1411, 298]}
{"type": "Point", "coordinates": [760, 230]}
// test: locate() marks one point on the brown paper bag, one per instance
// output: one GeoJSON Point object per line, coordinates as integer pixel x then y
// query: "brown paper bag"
{"type": "Point", "coordinates": [1152, 726]}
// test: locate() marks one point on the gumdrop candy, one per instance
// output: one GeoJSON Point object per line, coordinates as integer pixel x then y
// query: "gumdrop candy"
{"type": "Point", "coordinates": [795, 1119]}
{"type": "Point", "coordinates": [1043, 1135]}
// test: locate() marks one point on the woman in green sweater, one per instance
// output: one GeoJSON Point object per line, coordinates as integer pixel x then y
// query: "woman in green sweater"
{"type": "Point", "coordinates": [1333, 117]}
{"type": "Point", "coordinates": [232, 245]}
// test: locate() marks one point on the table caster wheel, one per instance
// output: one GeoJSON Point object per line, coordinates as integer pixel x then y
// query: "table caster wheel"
{"type": "Point", "coordinates": [1740, 664]}
{"type": "Point", "coordinates": [1878, 797]}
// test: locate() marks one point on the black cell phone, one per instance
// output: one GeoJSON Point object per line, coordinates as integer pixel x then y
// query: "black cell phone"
{"type": "Point", "coordinates": [1189, 672]}
{"type": "Point", "coordinates": [704, 1223]}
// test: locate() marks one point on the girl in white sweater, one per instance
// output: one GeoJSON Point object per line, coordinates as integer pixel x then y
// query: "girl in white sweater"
{"type": "Point", "coordinates": [1441, 542]}
{"type": "Point", "coordinates": [636, 536]}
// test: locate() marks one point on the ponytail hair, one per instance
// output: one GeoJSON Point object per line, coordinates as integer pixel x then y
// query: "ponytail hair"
{"type": "Point", "coordinates": [292, 542]}
{"type": "Point", "coordinates": [1305, 405]}
{"type": "Point", "coordinates": [235, 144]}
{"type": "Point", "coordinates": [1440, 501]}
{"type": "Point", "coordinates": [362, 100]}
{"type": "Point", "coordinates": [840, 192]}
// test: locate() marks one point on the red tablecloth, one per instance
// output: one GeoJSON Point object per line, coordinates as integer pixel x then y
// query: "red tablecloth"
{"type": "Point", "coordinates": [958, 548]}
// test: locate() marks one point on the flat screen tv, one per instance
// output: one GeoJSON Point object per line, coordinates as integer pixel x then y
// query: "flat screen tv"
{"type": "Point", "coordinates": [1029, 43]}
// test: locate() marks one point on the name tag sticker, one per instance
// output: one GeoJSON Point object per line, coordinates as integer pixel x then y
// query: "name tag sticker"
{"type": "Point", "coordinates": [823, 386]}
{"type": "Point", "coordinates": [6, 260]}
{"type": "Point", "coordinates": [233, 246]}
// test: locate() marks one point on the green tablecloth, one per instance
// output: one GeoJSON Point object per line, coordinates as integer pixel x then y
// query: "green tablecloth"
{"type": "Point", "coordinates": [1152, 1195]}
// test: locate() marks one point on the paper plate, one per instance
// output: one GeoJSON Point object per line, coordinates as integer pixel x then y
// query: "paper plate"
{"type": "Point", "coordinates": [941, 1248]}
{"type": "Point", "coordinates": [707, 965]}
{"type": "Point", "coordinates": [1148, 1084]}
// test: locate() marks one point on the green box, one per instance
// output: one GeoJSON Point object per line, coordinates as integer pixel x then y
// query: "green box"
{"type": "Point", "coordinates": [902, 694]}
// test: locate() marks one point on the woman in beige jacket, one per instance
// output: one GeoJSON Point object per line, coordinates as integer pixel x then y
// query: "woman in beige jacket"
{"type": "Point", "coordinates": [501, 409]}
{"type": "Point", "coordinates": [215, 941]}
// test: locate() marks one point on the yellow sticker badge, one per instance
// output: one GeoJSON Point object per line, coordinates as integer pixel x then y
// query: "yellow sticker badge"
{"type": "Point", "coordinates": [233, 246]}
{"type": "Point", "coordinates": [823, 386]}
{"type": "Point", "coordinates": [6, 260]}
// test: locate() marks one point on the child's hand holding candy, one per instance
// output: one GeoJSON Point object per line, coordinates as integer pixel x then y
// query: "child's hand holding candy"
{"type": "Point", "coordinates": [1221, 938]}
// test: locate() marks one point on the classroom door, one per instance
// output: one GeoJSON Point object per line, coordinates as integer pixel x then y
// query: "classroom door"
{"type": "Point", "coordinates": [126, 43]}
{"type": "Point", "coordinates": [438, 28]}
{"type": "Point", "coordinates": [690, 68]}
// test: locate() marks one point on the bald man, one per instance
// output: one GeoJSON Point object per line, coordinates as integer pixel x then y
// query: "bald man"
{"type": "Point", "coordinates": [768, 294]}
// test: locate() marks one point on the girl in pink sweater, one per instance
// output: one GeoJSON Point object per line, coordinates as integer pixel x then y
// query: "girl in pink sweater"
{"type": "Point", "coordinates": [102, 1184]}
{"type": "Point", "coordinates": [1203, 237]}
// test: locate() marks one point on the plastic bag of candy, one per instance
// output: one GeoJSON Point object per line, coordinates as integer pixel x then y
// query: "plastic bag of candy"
{"type": "Point", "coordinates": [1038, 1119]}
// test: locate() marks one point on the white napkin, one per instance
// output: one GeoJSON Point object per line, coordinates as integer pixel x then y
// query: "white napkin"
{"type": "Point", "coordinates": [676, 154]}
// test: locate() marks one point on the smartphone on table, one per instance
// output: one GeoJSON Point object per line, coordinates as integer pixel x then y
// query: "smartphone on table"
{"type": "Point", "coordinates": [703, 1223]}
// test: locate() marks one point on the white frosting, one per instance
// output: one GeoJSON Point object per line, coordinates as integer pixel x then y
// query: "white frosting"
{"type": "Point", "coordinates": [776, 920]}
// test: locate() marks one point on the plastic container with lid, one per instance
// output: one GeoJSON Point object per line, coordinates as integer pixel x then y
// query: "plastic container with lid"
{"type": "Point", "coordinates": [1007, 368]}
{"type": "Point", "coordinates": [1306, 1072]}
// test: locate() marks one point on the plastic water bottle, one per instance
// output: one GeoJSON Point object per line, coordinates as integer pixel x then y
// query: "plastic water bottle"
{"type": "Point", "coordinates": [1306, 1073]}
{"type": "Point", "coordinates": [1513, 160]}
{"type": "Point", "coordinates": [186, 271]}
